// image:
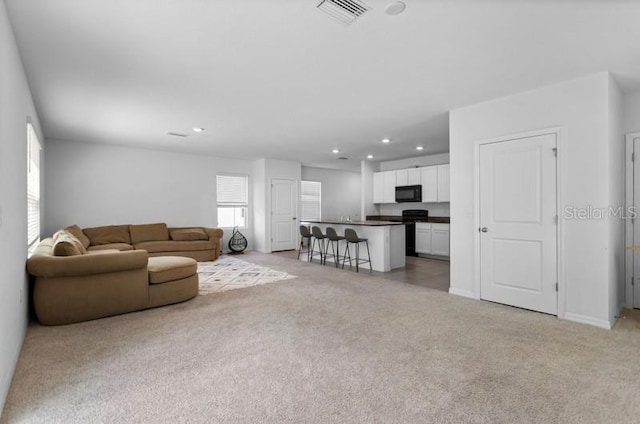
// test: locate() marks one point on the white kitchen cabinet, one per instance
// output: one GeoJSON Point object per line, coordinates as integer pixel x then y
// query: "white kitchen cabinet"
{"type": "Point", "coordinates": [407, 177]}
{"type": "Point", "coordinates": [384, 187]}
{"type": "Point", "coordinates": [378, 187]}
{"type": "Point", "coordinates": [440, 239]}
{"type": "Point", "coordinates": [429, 181]}
{"type": "Point", "coordinates": [389, 187]}
{"type": "Point", "coordinates": [423, 238]}
{"type": "Point", "coordinates": [434, 181]}
{"type": "Point", "coordinates": [443, 183]}
{"type": "Point", "coordinates": [432, 239]}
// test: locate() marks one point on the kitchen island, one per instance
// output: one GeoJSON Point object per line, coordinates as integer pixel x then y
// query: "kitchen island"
{"type": "Point", "coordinates": [386, 241]}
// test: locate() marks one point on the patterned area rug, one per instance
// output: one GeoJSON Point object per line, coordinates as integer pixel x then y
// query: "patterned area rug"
{"type": "Point", "coordinates": [229, 273]}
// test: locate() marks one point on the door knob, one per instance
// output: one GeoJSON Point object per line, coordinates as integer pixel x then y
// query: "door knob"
{"type": "Point", "coordinates": [484, 229]}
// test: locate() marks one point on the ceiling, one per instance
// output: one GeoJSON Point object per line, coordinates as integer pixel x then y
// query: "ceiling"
{"type": "Point", "coordinates": [280, 79]}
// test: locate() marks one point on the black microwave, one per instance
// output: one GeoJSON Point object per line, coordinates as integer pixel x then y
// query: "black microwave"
{"type": "Point", "coordinates": [412, 193]}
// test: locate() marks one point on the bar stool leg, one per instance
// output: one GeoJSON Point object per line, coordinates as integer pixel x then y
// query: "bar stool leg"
{"type": "Point", "coordinates": [301, 245]}
{"type": "Point", "coordinates": [313, 249]}
{"type": "Point", "coordinates": [326, 250]}
{"type": "Point", "coordinates": [346, 252]}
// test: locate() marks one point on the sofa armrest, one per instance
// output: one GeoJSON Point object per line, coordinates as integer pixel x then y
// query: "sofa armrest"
{"type": "Point", "coordinates": [214, 233]}
{"type": "Point", "coordinates": [71, 266]}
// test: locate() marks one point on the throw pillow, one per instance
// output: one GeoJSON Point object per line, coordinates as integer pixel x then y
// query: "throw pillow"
{"type": "Point", "coordinates": [189, 234]}
{"type": "Point", "coordinates": [149, 232]}
{"type": "Point", "coordinates": [77, 233]}
{"type": "Point", "coordinates": [108, 234]}
{"type": "Point", "coordinates": [66, 244]}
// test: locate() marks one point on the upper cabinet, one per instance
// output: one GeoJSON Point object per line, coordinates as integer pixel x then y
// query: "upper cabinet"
{"type": "Point", "coordinates": [384, 187]}
{"type": "Point", "coordinates": [429, 181]}
{"type": "Point", "coordinates": [434, 181]}
{"type": "Point", "coordinates": [443, 183]}
{"type": "Point", "coordinates": [407, 177]}
{"type": "Point", "coordinates": [389, 187]}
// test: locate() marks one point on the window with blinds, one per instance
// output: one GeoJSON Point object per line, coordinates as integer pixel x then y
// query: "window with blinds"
{"type": "Point", "coordinates": [310, 200]}
{"type": "Point", "coordinates": [33, 188]}
{"type": "Point", "coordinates": [233, 200]}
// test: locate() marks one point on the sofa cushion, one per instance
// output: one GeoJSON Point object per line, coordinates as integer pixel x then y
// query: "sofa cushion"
{"type": "Point", "coordinates": [77, 232]}
{"type": "Point", "coordinates": [170, 268]}
{"type": "Point", "coordinates": [149, 232]}
{"type": "Point", "coordinates": [66, 244]}
{"type": "Point", "coordinates": [111, 246]}
{"type": "Point", "coordinates": [174, 246]}
{"type": "Point", "coordinates": [189, 234]}
{"type": "Point", "coordinates": [108, 234]}
{"type": "Point", "coordinates": [103, 251]}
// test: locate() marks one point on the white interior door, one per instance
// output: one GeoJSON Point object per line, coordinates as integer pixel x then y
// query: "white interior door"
{"type": "Point", "coordinates": [283, 214]}
{"type": "Point", "coordinates": [636, 224]}
{"type": "Point", "coordinates": [518, 224]}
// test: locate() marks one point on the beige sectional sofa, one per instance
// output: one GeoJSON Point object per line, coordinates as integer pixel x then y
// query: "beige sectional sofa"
{"type": "Point", "coordinates": [199, 243]}
{"type": "Point", "coordinates": [97, 272]}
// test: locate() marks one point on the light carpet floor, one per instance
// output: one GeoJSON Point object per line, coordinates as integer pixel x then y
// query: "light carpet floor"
{"type": "Point", "coordinates": [330, 346]}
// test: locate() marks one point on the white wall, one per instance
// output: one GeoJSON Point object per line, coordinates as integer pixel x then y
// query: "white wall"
{"type": "Point", "coordinates": [96, 184]}
{"type": "Point", "coordinates": [16, 106]}
{"type": "Point", "coordinates": [631, 113]}
{"type": "Point", "coordinates": [367, 207]}
{"type": "Point", "coordinates": [340, 191]}
{"type": "Point", "coordinates": [416, 162]}
{"type": "Point", "coordinates": [260, 206]}
{"type": "Point", "coordinates": [616, 197]}
{"type": "Point", "coordinates": [581, 108]}
{"type": "Point", "coordinates": [270, 169]}
{"type": "Point", "coordinates": [435, 209]}
{"type": "Point", "coordinates": [630, 124]}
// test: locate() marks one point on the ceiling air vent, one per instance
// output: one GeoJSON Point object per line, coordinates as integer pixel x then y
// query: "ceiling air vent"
{"type": "Point", "coordinates": [343, 158]}
{"type": "Point", "coordinates": [344, 11]}
{"type": "Point", "coordinates": [177, 134]}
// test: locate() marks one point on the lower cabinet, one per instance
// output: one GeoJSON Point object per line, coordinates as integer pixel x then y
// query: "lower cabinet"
{"type": "Point", "coordinates": [432, 239]}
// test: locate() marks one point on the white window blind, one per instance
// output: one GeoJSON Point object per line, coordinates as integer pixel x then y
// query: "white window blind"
{"type": "Point", "coordinates": [233, 200]}
{"type": "Point", "coordinates": [310, 200]}
{"type": "Point", "coordinates": [232, 190]}
{"type": "Point", "coordinates": [33, 187]}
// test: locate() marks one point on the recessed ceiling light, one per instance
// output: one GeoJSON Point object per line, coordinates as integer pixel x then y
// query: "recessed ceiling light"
{"type": "Point", "coordinates": [386, 140]}
{"type": "Point", "coordinates": [419, 148]}
{"type": "Point", "coordinates": [369, 156]}
{"type": "Point", "coordinates": [336, 151]}
{"type": "Point", "coordinates": [198, 129]}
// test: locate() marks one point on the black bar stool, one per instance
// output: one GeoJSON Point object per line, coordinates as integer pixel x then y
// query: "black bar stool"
{"type": "Point", "coordinates": [305, 234]}
{"type": "Point", "coordinates": [333, 238]}
{"type": "Point", "coordinates": [352, 237]}
{"type": "Point", "coordinates": [319, 238]}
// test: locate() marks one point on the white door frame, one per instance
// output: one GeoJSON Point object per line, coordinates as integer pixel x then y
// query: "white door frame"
{"type": "Point", "coordinates": [628, 225]}
{"type": "Point", "coordinates": [557, 131]}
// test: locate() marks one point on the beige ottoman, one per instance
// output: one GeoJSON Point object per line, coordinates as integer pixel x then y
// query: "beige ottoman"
{"type": "Point", "coordinates": [172, 279]}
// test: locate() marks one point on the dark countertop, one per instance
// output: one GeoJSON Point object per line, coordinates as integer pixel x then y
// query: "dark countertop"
{"type": "Point", "coordinates": [397, 218]}
{"type": "Point", "coordinates": [368, 222]}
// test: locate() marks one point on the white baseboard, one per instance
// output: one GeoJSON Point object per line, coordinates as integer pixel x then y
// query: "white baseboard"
{"type": "Point", "coordinates": [583, 319]}
{"type": "Point", "coordinates": [463, 293]}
